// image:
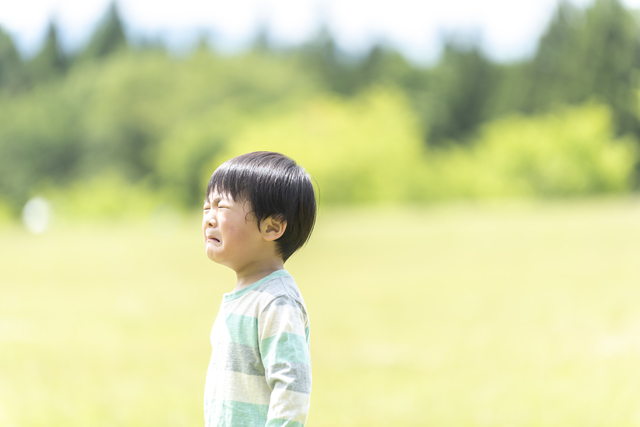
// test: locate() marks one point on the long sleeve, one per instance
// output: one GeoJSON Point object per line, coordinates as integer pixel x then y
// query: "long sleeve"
{"type": "Point", "coordinates": [283, 331]}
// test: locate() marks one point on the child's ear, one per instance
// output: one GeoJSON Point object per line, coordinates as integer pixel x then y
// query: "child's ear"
{"type": "Point", "coordinates": [273, 228]}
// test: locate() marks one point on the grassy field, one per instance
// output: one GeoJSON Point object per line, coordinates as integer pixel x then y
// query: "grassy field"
{"type": "Point", "coordinates": [521, 315]}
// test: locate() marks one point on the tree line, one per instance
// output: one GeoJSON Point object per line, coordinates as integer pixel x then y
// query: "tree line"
{"type": "Point", "coordinates": [138, 112]}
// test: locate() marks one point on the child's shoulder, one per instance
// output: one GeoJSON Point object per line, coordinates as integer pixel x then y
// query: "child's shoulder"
{"type": "Point", "coordinates": [279, 290]}
{"type": "Point", "coordinates": [280, 285]}
{"type": "Point", "coordinates": [281, 299]}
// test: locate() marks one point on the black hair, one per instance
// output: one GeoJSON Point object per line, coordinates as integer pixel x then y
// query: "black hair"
{"type": "Point", "coordinates": [276, 186]}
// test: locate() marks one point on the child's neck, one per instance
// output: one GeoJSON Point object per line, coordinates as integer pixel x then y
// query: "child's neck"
{"type": "Point", "coordinates": [254, 272]}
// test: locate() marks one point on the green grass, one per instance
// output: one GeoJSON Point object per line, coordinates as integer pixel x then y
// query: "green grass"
{"type": "Point", "coordinates": [526, 315]}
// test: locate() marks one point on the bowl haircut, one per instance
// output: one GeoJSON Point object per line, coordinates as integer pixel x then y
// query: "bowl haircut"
{"type": "Point", "coordinates": [275, 186]}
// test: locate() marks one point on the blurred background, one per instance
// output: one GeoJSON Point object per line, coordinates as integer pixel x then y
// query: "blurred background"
{"type": "Point", "coordinates": [475, 260]}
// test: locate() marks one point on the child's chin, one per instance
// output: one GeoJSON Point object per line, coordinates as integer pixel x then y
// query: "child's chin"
{"type": "Point", "coordinates": [211, 255]}
{"type": "Point", "coordinates": [215, 257]}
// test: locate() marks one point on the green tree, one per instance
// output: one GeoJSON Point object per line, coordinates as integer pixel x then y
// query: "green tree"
{"type": "Point", "coordinates": [322, 58]}
{"type": "Point", "coordinates": [460, 90]}
{"type": "Point", "coordinates": [262, 39]}
{"type": "Point", "coordinates": [556, 74]}
{"type": "Point", "coordinates": [383, 65]}
{"type": "Point", "coordinates": [613, 55]}
{"type": "Point", "coordinates": [40, 141]}
{"type": "Point", "coordinates": [584, 55]}
{"type": "Point", "coordinates": [51, 60]}
{"type": "Point", "coordinates": [13, 75]}
{"type": "Point", "coordinates": [362, 149]}
{"type": "Point", "coordinates": [572, 151]}
{"type": "Point", "coordinates": [109, 37]}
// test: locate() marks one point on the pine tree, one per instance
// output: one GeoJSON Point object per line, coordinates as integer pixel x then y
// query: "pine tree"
{"type": "Point", "coordinates": [584, 56]}
{"type": "Point", "coordinates": [262, 39]}
{"type": "Point", "coordinates": [556, 74]}
{"type": "Point", "coordinates": [13, 76]}
{"type": "Point", "coordinates": [322, 58]}
{"type": "Point", "coordinates": [612, 56]}
{"type": "Point", "coordinates": [109, 37]}
{"type": "Point", "coordinates": [382, 64]}
{"type": "Point", "coordinates": [460, 89]}
{"type": "Point", "coordinates": [50, 61]}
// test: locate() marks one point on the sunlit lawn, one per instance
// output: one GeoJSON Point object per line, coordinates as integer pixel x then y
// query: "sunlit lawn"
{"type": "Point", "coordinates": [522, 315]}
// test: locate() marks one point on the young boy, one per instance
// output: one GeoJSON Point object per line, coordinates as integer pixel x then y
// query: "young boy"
{"type": "Point", "coordinates": [259, 209]}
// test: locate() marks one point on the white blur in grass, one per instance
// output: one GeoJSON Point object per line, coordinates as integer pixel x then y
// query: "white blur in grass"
{"type": "Point", "coordinates": [36, 215]}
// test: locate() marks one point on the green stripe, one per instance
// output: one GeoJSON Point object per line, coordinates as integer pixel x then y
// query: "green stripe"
{"type": "Point", "coordinates": [284, 348]}
{"type": "Point", "coordinates": [283, 423]}
{"type": "Point", "coordinates": [237, 294]}
{"type": "Point", "coordinates": [242, 329]}
{"type": "Point", "coordinates": [223, 413]}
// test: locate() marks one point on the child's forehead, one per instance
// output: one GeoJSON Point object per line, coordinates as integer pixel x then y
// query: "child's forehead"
{"type": "Point", "coordinates": [215, 196]}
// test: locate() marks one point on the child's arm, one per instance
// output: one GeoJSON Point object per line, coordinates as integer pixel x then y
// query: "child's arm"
{"type": "Point", "coordinates": [284, 348]}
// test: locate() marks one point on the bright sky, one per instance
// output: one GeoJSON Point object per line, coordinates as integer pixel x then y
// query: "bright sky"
{"type": "Point", "coordinates": [507, 29]}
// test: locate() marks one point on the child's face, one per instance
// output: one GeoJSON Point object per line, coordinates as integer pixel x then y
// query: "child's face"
{"type": "Point", "coordinates": [230, 232]}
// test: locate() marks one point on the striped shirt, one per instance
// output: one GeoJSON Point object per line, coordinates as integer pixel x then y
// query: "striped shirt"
{"type": "Point", "coordinates": [260, 368]}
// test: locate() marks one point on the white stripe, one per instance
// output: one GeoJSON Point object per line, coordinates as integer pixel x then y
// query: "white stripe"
{"type": "Point", "coordinates": [289, 405]}
{"type": "Point", "coordinates": [281, 319]}
{"type": "Point", "coordinates": [229, 385]}
{"type": "Point", "coordinates": [219, 331]}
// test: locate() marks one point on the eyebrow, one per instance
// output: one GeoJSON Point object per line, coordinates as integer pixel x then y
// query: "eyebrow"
{"type": "Point", "coordinates": [215, 201]}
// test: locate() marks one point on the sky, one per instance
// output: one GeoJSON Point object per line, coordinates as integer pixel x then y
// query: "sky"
{"type": "Point", "coordinates": [506, 29]}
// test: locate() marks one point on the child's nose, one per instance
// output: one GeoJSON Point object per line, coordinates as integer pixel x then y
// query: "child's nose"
{"type": "Point", "coordinates": [210, 218]}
